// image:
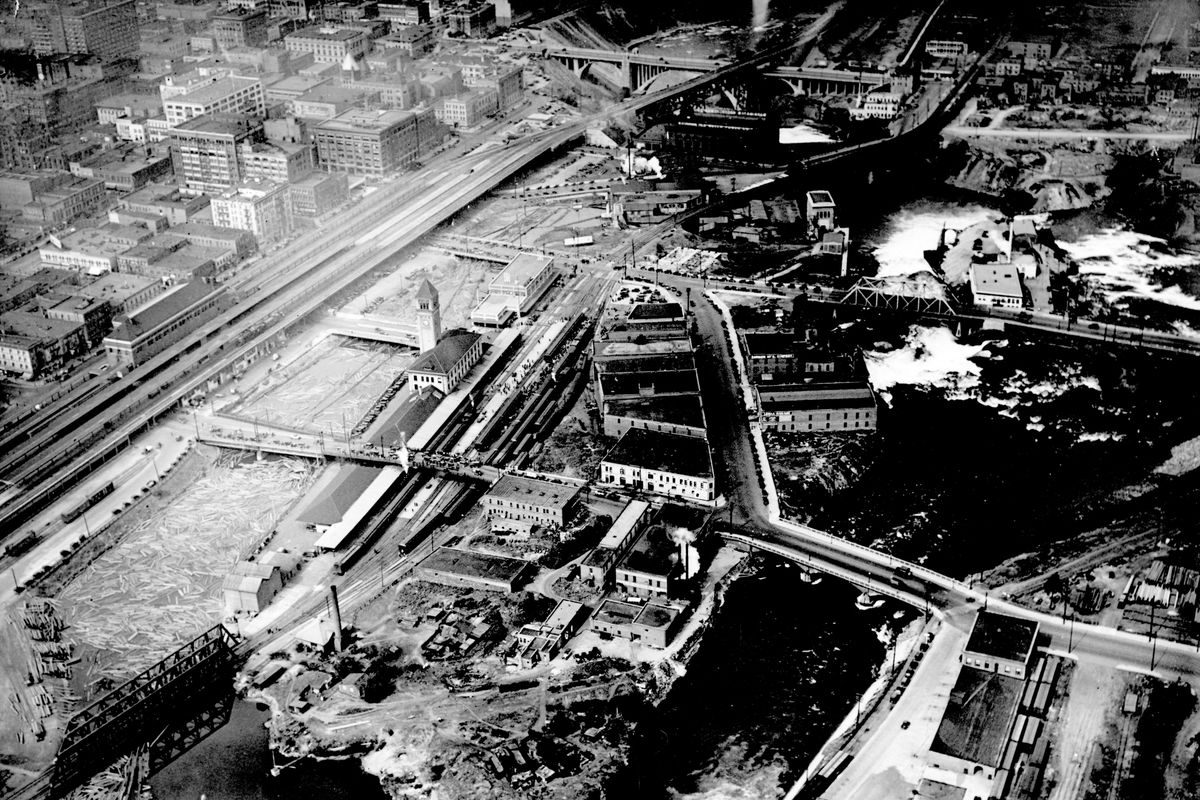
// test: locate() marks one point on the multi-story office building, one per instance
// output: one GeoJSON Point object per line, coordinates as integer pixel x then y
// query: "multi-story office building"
{"type": "Point", "coordinates": [232, 95]}
{"type": "Point", "coordinates": [318, 193]}
{"type": "Point", "coordinates": [184, 82]}
{"type": "Point", "coordinates": [329, 46]}
{"type": "Point", "coordinates": [468, 109]}
{"type": "Point", "coordinates": [261, 207]}
{"type": "Point", "coordinates": [374, 142]}
{"type": "Point", "coordinates": [302, 10]}
{"type": "Point", "coordinates": [281, 162]}
{"type": "Point", "coordinates": [240, 28]}
{"type": "Point", "coordinates": [407, 14]}
{"type": "Point", "coordinates": [104, 28]}
{"type": "Point", "coordinates": [472, 21]}
{"type": "Point", "coordinates": [204, 150]}
{"type": "Point", "coordinates": [412, 40]}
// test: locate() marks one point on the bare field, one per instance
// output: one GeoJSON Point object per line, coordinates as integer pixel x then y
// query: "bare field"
{"type": "Point", "coordinates": [330, 386]}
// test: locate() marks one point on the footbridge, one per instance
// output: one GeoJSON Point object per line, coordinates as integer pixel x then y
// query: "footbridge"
{"type": "Point", "coordinates": [373, 327]}
{"type": "Point", "coordinates": [499, 251]}
{"type": "Point", "coordinates": [157, 715]}
{"type": "Point", "coordinates": [257, 437]}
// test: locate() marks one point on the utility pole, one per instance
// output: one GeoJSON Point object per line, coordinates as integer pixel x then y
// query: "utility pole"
{"type": "Point", "coordinates": [1153, 638]}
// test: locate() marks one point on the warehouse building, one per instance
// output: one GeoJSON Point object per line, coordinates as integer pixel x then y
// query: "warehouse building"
{"type": "Point", "coordinates": [466, 568]}
{"type": "Point", "coordinates": [518, 504]}
{"type": "Point", "coordinates": [661, 463]}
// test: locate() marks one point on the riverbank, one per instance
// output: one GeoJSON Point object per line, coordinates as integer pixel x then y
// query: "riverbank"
{"type": "Point", "coordinates": [781, 664]}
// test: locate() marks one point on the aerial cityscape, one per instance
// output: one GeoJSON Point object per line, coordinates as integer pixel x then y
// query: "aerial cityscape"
{"type": "Point", "coordinates": [599, 399]}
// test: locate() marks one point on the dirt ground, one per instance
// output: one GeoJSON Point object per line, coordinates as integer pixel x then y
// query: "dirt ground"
{"type": "Point", "coordinates": [577, 444]}
{"type": "Point", "coordinates": [327, 388]}
{"type": "Point", "coordinates": [460, 283]}
{"type": "Point", "coordinates": [808, 467]}
{"type": "Point", "coordinates": [1093, 700]}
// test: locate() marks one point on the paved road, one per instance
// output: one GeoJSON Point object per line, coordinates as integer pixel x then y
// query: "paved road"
{"type": "Point", "coordinates": [1052, 133]}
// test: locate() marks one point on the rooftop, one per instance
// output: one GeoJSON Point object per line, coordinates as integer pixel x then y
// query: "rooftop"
{"type": "Point", "coordinates": [475, 565]}
{"type": "Point", "coordinates": [654, 553]}
{"type": "Point", "coordinates": [27, 323]}
{"type": "Point", "coordinates": [615, 349]}
{"type": "Point", "coordinates": [327, 34]}
{"type": "Point", "coordinates": [160, 309]}
{"type": "Point", "coordinates": [116, 287]}
{"type": "Point", "coordinates": [219, 124]}
{"type": "Point", "coordinates": [448, 352]}
{"type": "Point", "coordinates": [680, 381]}
{"type": "Point", "coordinates": [997, 279]}
{"type": "Point", "coordinates": [674, 515]}
{"type": "Point", "coordinates": [978, 717]}
{"type": "Point", "coordinates": [522, 269]}
{"type": "Point", "coordinates": [652, 615]}
{"type": "Point", "coordinates": [625, 522]}
{"type": "Point", "coordinates": [77, 302]}
{"type": "Point", "coordinates": [534, 491]}
{"type": "Point", "coordinates": [680, 409]}
{"type": "Point", "coordinates": [773, 344]}
{"type": "Point", "coordinates": [193, 228]}
{"type": "Point", "coordinates": [663, 452]}
{"type": "Point", "coordinates": [296, 83]}
{"type": "Point", "coordinates": [328, 93]}
{"type": "Point", "coordinates": [656, 311]}
{"type": "Point", "coordinates": [1002, 636]}
{"type": "Point", "coordinates": [668, 362]}
{"type": "Point", "coordinates": [212, 92]}
{"type": "Point", "coordinates": [357, 120]}
{"type": "Point", "coordinates": [331, 504]}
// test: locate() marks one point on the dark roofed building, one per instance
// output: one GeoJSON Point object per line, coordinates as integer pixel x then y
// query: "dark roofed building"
{"type": "Point", "coordinates": [1000, 643]}
{"type": "Point", "coordinates": [974, 730]}
{"type": "Point", "coordinates": [614, 386]}
{"type": "Point", "coordinates": [682, 414]}
{"type": "Point", "coordinates": [334, 500]}
{"type": "Point", "coordinates": [162, 322]}
{"type": "Point", "coordinates": [661, 463]}
{"type": "Point", "coordinates": [655, 312]}
{"type": "Point", "coordinates": [447, 363]}
{"type": "Point", "coordinates": [401, 422]}
{"type": "Point", "coordinates": [454, 567]}
{"type": "Point", "coordinates": [770, 356]}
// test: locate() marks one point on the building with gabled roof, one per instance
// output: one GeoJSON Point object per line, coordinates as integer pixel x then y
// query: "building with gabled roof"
{"type": "Point", "coordinates": [250, 586]}
{"type": "Point", "coordinates": [448, 362]}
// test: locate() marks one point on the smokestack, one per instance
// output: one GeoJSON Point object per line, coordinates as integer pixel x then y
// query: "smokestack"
{"type": "Point", "coordinates": [337, 617]}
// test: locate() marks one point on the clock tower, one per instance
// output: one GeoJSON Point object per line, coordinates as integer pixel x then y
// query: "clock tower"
{"type": "Point", "coordinates": [429, 317]}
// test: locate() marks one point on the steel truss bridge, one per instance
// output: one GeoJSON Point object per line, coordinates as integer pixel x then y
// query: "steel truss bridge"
{"type": "Point", "coordinates": [899, 294]}
{"type": "Point", "coordinates": [156, 715]}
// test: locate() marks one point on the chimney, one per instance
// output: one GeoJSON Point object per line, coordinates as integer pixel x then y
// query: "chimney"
{"type": "Point", "coordinates": [337, 618]}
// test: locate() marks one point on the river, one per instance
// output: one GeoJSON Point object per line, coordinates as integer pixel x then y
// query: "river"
{"type": "Point", "coordinates": [780, 667]}
{"type": "Point", "coordinates": [234, 764]}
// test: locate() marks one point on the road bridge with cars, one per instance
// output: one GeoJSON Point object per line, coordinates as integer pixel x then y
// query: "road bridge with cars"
{"type": "Point", "coordinates": [636, 69]}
